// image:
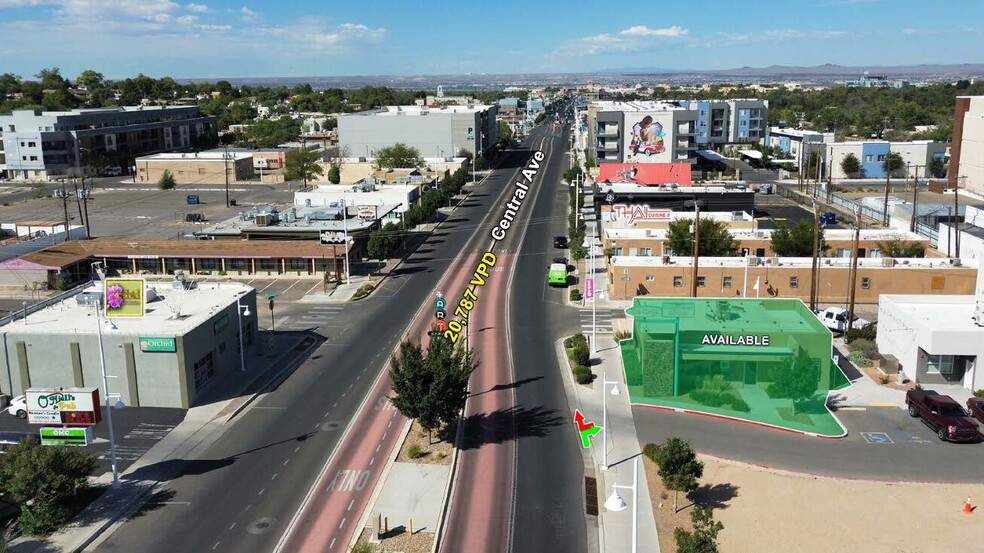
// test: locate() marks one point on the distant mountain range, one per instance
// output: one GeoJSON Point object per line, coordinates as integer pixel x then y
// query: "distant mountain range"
{"type": "Point", "coordinates": [821, 74]}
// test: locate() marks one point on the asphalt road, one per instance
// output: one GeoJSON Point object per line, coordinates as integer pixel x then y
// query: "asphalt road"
{"type": "Point", "coordinates": [240, 495]}
{"type": "Point", "coordinates": [549, 513]}
{"type": "Point", "coordinates": [883, 443]}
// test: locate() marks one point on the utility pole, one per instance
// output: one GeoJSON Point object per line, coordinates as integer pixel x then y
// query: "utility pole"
{"type": "Point", "coordinates": [693, 284]}
{"type": "Point", "coordinates": [854, 268]}
{"type": "Point", "coordinates": [79, 203]}
{"type": "Point", "coordinates": [956, 217]}
{"type": "Point", "coordinates": [68, 233]}
{"type": "Point", "coordinates": [85, 206]}
{"type": "Point", "coordinates": [888, 176]}
{"type": "Point", "coordinates": [225, 157]}
{"type": "Point", "coordinates": [915, 199]}
{"type": "Point", "coordinates": [830, 180]}
{"type": "Point", "coordinates": [816, 250]}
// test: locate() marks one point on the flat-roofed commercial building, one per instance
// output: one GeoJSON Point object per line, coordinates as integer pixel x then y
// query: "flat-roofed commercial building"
{"type": "Point", "coordinates": [434, 131]}
{"type": "Point", "coordinates": [41, 145]}
{"type": "Point", "coordinates": [196, 168]}
{"type": "Point", "coordinates": [187, 340]}
{"type": "Point", "coordinates": [967, 147]}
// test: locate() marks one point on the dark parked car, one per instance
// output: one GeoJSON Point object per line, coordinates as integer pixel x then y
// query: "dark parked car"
{"type": "Point", "coordinates": [943, 414]}
{"type": "Point", "coordinates": [560, 241]}
{"type": "Point", "coordinates": [976, 407]}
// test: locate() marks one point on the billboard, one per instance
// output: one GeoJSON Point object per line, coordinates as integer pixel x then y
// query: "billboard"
{"type": "Point", "coordinates": [124, 297]}
{"type": "Point", "coordinates": [645, 174]}
{"type": "Point", "coordinates": [69, 406]}
{"type": "Point", "coordinates": [651, 137]}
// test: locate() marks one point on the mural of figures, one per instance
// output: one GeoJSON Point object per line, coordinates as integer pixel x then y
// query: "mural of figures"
{"type": "Point", "coordinates": [647, 137]}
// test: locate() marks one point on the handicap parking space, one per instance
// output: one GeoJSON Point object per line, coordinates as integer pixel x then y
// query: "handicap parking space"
{"type": "Point", "coordinates": [886, 426]}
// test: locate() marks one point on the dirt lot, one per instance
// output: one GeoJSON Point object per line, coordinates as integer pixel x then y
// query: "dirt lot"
{"type": "Point", "coordinates": [769, 511]}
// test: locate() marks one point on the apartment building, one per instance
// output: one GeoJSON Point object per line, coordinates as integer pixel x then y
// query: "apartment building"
{"type": "Point", "coordinates": [916, 156]}
{"type": "Point", "coordinates": [434, 131]}
{"type": "Point", "coordinates": [672, 130]}
{"type": "Point", "coordinates": [967, 147]}
{"type": "Point", "coordinates": [41, 145]}
{"type": "Point", "coordinates": [796, 143]}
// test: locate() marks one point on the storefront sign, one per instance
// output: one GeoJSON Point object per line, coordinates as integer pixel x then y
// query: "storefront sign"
{"type": "Point", "coordinates": [66, 436]}
{"type": "Point", "coordinates": [328, 237]}
{"type": "Point", "coordinates": [731, 340]}
{"type": "Point", "coordinates": [157, 344]}
{"type": "Point", "coordinates": [124, 297]}
{"type": "Point", "coordinates": [76, 406]}
{"type": "Point", "coordinates": [368, 212]}
{"type": "Point", "coordinates": [635, 212]}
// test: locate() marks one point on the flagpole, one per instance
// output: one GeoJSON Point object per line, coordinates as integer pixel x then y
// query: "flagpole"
{"type": "Point", "coordinates": [744, 282]}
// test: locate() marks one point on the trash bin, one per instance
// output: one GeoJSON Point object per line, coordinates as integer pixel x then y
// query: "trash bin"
{"type": "Point", "coordinates": [232, 202]}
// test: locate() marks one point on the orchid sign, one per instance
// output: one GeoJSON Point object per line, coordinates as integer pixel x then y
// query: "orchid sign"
{"type": "Point", "coordinates": [124, 297]}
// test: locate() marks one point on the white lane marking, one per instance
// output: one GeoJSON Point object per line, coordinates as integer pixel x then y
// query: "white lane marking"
{"type": "Point", "coordinates": [286, 461]}
{"type": "Point", "coordinates": [248, 507]}
{"type": "Point", "coordinates": [334, 404]}
{"type": "Point", "coordinates": [274, 477]}
{"type": "Point", "coordinates": [371, 461]}
{"type": "Point", "coordinates": [261, 491]}
{"type": "Point", "coordinates": [296, 449]}
{"type": "Point", "coordinates": [390, 424]}
{"type": "Point", "coordinates": [384, 435]}
{"type": "Point", "coordinates": [326, 414]}
{"type": "Point", "coordinates": [216, 546]}
{"type": "Point", "coordinates": [377, 447]}
{"type": "Point", "coordinates": [350, 505]}
{"type": "Point", "coordinates": [332, 544]}
{"type": "Point", "coordinates": [342, 523]}
{"type": "Point", "coordinates": [233, 525]}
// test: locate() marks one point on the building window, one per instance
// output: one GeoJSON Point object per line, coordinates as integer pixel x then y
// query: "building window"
{"type": "Point", "coordinates": [874, 253]}
{"type": "Point", "coordinates": [942, 364]}
{"type": "Point", "coordinates": [869, 158]}
{"type": "Point", "coordinates": [632, 252]}
{"type": "Point", "coordinates": [881, 157]}
{"type": "Point", "coordinates": [616, 251]}
{"type": "Point", "coordinates": [297, 264]}
{"type": "Point", "coordinates": [678, 282]}
{"type": "Point", "coordinates": [743, 123]}
{"type": "Point", "coordinates": [32, 144]}
{"type": "Point", "coordinates": [23, 144]}
{"type": "Point", "coordinates": [794, 282]}
{"type": "Point", "coordinates": [865, 282]}
{"type": "Point", "coordinates": [843, 252]}
{"type": "Point", "coordinates": [650, 278]}
{"type": "Point", "coordinates": [204, 370]}
{"type": "Point", "coordinates": [222, 347]}
{"type": "Point", "coordinates": [726, 282]}
{"type": "Point", "coordinates": [701, 281]}
{"type": "Point", "coordinates": [646, 252]}
{"type": "Point", "coordinates": [34, 158]}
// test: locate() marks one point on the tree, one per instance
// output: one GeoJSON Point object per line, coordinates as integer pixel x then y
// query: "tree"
{"type": "Point", "coordinates": [715, 240]}
{"type": "Point", "coordinates": [41, 479]}
{"type": "Point", "coordinates": [897, 246]}
{"type": "Point", "coordinates": [383, 242]}
{"type": "Point", "coordinates": [90, 79]}
{"type": "Point", "coordinates": [166, 181]}
{"type": "Point", "coordinates": [504, 135]}
{"type": "Point", "coordinates": [679, 467]}
{"type": "Point", "coordinates": [334, 174]}
{"type": "Point", "coordinates": [936, 167]}
{"type": "Point", "coordinates": [703, 539]}
{"type": "Point", "coordinates": [397, 156]}
{"type": "Point", "coordinates": [268, 133]}
{"type": "Point", "coordinates": [796, 380]}
{"type": "Point", "coordinates": [303, 165]}
{"type": "Point", "coordinates": [851, 165]}
{"type": "Point", "coordinates": [431, 389]}
{"type": "Point", "coordinates": [796, 241]}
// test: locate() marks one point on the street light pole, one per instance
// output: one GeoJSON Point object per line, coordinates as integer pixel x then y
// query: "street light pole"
{"type": "Point", "coordinates": [109, 409]}
{"type": "Point", "coordinates": [242, 336]}
{"type": "Point", "coordinates": [348, 275]}
{"type": "Point", "coordinates": [604, 416]}
{"type": "Point", "coordinates": [615, 503]}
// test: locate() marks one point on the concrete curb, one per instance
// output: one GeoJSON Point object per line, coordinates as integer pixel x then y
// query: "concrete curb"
{"type": "Point", "coordinates": [452, 480]}
{"type": "Point", "coordinates": [744, 421]}
{"type": "Point", "coordinates": [274, 380]}
{"type": "Point", "coordinates": [378, 489]}
{"type": "Point", "coordinates": [130, 506]}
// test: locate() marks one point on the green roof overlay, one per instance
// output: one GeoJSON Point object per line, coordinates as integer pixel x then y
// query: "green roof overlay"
{"type": "Point", "coordinates": [761, 360]}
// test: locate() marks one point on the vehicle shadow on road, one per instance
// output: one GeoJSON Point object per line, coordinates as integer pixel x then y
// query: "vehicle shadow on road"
{"type": "Point", "coordinates": [508, 424]}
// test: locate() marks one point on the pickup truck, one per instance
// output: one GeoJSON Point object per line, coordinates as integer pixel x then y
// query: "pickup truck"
{"type": "Point", "coordinates": [943, 414]}
{"type": "Point", "coordinates": [835, 319]}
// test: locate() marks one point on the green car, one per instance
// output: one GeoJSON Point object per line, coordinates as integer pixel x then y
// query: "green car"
{"type": "Point", "coordinates": [557, 276]}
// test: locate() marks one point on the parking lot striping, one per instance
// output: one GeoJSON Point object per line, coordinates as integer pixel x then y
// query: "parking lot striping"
{"type": "Point", "coordinates": [274, 477]}
{"type": "Point", "coordinates": [311, 289]}
{"type": "Point", "coordinates": [877, 438]}
{"type": "Point", "coordinates": [286, 461]}
{"type": "Point", "coordinates": [268, 285]}
{"type": "Point", "coordinates": [216, 546]}
{"type": "Point", "coordinates": [884, 404]}
{"type": "Point", "coordinates": [296, 449]}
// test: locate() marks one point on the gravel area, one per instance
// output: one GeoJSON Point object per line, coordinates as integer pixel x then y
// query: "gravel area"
{"type": "Point", "coordinates": [436, 453]}
{"type": "Point", "coordinates": [771, 511]}
{"type": "Point", "coordinates": [420, 542]}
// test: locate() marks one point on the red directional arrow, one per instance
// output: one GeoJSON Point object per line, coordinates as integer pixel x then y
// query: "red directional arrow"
{"type": "Point", "coordinates": [581, 425]}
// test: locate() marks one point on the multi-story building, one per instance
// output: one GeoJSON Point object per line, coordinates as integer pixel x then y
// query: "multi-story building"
{"type": "Point", "coordinates": [43, 145]}
{"type": "Point", "coordinates": [796, 143]}
{"type": "Point", "coordinates": [916, 156]}
{"type": "Point", "coordinates": [967, 148]}
{"type": "Point", "coordinates": [672, 130]}
{"type": "Point", "coordinates": [433, 131]}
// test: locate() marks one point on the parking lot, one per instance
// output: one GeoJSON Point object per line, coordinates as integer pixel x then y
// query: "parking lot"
{"type": "Point", "coordinates": [889, 427]}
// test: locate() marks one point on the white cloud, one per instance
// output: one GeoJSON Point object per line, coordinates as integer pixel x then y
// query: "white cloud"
{"type": "Point", "coordinates": [930, 32]}
{"type": "Point", "coordinates": [634, 38]}
{"type": "Point", "coordinates": [99, 9]}
{"type": "Point", "coordinates": [248, 14]}
{"type": "Point", "coordinates": [213, 28]}
{"type": "Point", "coordinates": [314, 32]}
{"type": "Point", "coordinates": [21, 3]}
{"type": "Point", "coordinates": [198, 8]}
{"type": "Point", "coordinates": [187, 19]}
{"type": "Point", "coordinates": [773, 35]}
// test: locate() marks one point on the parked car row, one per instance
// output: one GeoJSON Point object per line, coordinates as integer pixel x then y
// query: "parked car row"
{"type": "Point", "coordinates": [945, 416]}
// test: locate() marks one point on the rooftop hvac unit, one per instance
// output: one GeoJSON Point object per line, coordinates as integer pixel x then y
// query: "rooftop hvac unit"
{"type": "Point", "coordinates": [263, 220]}
{"type": "Point", "coordinates": [888, 261]}
{"type": "Point", "coordinates": [307, 202]}
{"type": "Point", "coordinates": [737, 215]}
{"type": "Point", "coordinates": [754, 262]}
{"type": "Point", "coordinates": [649, 233]}
{"type": "Point", "coordinates": [956, 262]}
{"type": "Point", "coordinates": [362, 159]}
{"type": "Point", "coordinates": [355, 188]}
{"type": "Point", "coordinates": [179, 275]}
{"type": "Point", "coordinates": [290, 216]}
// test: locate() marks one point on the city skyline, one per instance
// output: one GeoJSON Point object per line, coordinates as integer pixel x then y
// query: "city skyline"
{"type": "Point", "coordinates": [227, 38]}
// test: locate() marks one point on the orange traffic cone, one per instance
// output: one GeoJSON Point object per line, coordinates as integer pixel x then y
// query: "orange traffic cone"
{"type": "Point", "coordinates": [968, 508]}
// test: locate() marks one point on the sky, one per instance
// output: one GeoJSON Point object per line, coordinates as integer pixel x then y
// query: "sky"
{"type": "Point", "coordinates": [293, 38]}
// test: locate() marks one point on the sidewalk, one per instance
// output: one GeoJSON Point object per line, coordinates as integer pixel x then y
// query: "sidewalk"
{"type": "Point", "coordinates": [615, 528]}
{"type": "Point", "coordinates": [201, 427]}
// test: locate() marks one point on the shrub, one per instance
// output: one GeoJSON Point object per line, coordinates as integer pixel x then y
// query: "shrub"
{"type": "Point", "coordinates": [568, 342]}
{"type": "Point", "coordinates": [709, 398]}
{"type": "Point", "coordinates": [622, 335]}
{"type": "Point", "coordinates": [362, 292]}
{"type": "Point", "coordinates": [869, 332]}
{"type": "Point", "coordinates": [738, 404]}
{"type": "Point", "coordinates": [582, 355]}
{"type": "Point", "coordinates": [978, 393]}
{"type": "Point", "coordinates": [651, 450]}
{"type": "Point", "coordinates": [579, 339]}
{"type": "Point", "coordinates": [859, 359]}
{"type": "Point", "coordinates": [415, 451]}
{"type": "Point", "coordinates": [583, 375]}
{"type": "Point", "coordinates": [865, 347]}
{"type": "Point", "coordinates": [575, 294]}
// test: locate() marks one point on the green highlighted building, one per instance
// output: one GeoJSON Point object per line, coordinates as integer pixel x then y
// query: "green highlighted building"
{"type": "Point", "coordinates": [766, 361]}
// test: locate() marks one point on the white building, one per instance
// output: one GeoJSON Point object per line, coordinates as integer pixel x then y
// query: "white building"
{"type": "Point", "coordinates": [916, 157]}
{"type": "Point", "coordinates": [365, 197]}
{"type": "Point", "coordinates": [937, 340]}
{"type": "Point", "coordinates": [967, 159]}
{"type": "Point", "coordinates": [433, 131]}
{"type": "Point", "coordinates": [795, 143]}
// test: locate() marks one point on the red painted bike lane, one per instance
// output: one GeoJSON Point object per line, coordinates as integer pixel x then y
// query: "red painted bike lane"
{"type": "Point", "coordinates": [479, 515]}
{"type": "Point", "coordinates": [328, 519]}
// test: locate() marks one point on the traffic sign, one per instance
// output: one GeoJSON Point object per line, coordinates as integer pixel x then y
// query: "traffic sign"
{"type": "Point", "coordinates": [440, 303]}
{"type": "Point", "coordinates": [589, 288]}
{"type": "Point", "coordinates": [440, 325]}
{"type": "Point", "coordinates": [440, 314]}
{"type": "Point", "coordinates": [271, 295]}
